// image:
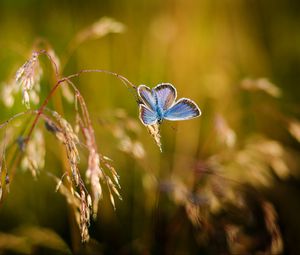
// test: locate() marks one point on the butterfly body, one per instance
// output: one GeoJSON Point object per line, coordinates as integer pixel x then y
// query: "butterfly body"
{"type": "Point", "coordinates": [159, 103]}
{"type": "Point", "coordinates": [158, 110]}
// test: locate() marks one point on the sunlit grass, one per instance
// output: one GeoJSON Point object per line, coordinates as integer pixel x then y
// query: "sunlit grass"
{"type": "Point", "coordinates": [224, 183]}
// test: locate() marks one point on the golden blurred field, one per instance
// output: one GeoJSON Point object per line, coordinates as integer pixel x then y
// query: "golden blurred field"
{"type": "Point", "coordinates": [225, 183]}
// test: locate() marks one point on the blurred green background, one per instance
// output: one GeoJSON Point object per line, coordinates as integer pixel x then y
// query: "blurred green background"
{"type": "Point", "coordinates": [239, 60]}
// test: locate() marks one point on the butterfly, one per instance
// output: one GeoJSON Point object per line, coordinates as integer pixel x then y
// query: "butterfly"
{"type": "Point", "coordinates": [160, 104]}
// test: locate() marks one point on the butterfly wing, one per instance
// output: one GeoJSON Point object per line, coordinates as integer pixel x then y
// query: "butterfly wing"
{"type": "Point", "coordinates": [183, 109]}
{"type": "Point", "coordinates": [147, 116]}
{"type": "Point", "coordinates": [165, 95]}
{"type": "Point", "coordinates": [147, 97]}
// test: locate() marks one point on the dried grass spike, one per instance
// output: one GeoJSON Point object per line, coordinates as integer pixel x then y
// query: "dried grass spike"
{"type": "Point", "coordinates": [294, 129]}
{"type": "Point", "coordinates": [261, 84]}
{"type": "Point", "coordinates": [154, 131]}
{"type": "Point", "coordinates": [8, 93]}
{"type": "Point", "coordinates": [99, 29]}
{"type": "Point", "coordinates": [28, 77]}
{"type": "Point", "coordinates": [276, 246]}
{"type": "Point", "coordinates": [35, 152]}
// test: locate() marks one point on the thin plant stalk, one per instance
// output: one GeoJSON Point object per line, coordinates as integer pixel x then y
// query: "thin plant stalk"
{"type": "Point", "coordinates": [124, 80]}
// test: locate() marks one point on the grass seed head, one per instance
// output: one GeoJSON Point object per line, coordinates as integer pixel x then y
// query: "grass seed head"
{"type": "Point", "coordinates": [28, 77]}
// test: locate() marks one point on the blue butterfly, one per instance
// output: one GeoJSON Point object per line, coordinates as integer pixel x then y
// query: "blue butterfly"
{"type": "Point", "coordinates": [159, 104]}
